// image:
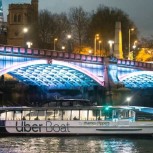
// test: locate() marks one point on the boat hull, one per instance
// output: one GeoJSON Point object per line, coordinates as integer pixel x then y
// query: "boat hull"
{"type": "Point", "coordinates": [37, 127]}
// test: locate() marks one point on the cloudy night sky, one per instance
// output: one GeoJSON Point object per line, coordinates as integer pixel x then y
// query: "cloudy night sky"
{"type": "Point", "coordinates": [139, 11]}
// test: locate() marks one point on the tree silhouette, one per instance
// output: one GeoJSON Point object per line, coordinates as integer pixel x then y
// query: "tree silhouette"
{"type": "Point", "coordinates": [103, 22]}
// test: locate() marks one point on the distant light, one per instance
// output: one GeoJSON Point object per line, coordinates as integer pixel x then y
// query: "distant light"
{"type": "Point", "coordinates": [128, 99]}
{"type": "Point", "coordinates": [107, 108]}
{"type": "Point", "coordinates": [25, 30]}
{"type": "Point", "coordinates": [97, 36]}
{"type": "Point", "coordinates": [134, 46]}
{"type": "Point", "coordinates": [63, 47]}
{"type": "Point", "coordinates": [90, 51]}
{"type": "Point", "coordinates": [69, 36]}
{"type": "Point", "coordinates": [29, 44]}
{"type": "Point", "coordinates": [132, 29]}
{"type": "Point", "coordinates": [111, 42]}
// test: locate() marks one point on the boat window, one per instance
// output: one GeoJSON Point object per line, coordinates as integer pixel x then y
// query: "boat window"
{"type": "Point", "coordinates": [107, 114]}
{"type": "Point", "coordinates": [17, 115]}
{"type": "Point", "coordinates": [99, 114]}
{"type": "Point", "coordinates": [33, 114]}
{"type": "Point", "coordinates": [50, 115]}
{"type": "Point", "coordinates": [14, 115]}
{"type": "Point", "coordinates": [54, 115]}
{"type": "Point", "coordinates": [41, 115]}
{"type": "Point", "coordinates": [75, 115]}
{"type": "Point", "coordinates": [90, 115]}
{"type": "Point", "coordinates": [66, 114]}
{"type": "Point", "coordinates": [58, 115]}
{"type": "Point", "coordinates": [6, 115]}
{"type": "Point", "coordinates": [83, 114]}
{"type": "Point", "coordinates": [26, 115]}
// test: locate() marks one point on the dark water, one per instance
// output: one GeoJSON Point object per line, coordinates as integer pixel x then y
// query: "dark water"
{"type": "Point", "coordinates": [78, 144]}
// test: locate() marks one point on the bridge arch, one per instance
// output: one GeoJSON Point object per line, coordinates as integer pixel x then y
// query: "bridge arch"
{"type": "Point", "coordinates": [140, 79]}
{"type": "Point", "coordinates": [53, 74]}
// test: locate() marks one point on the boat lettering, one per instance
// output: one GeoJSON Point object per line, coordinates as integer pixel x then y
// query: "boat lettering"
{"type": "Point", "coordinates": [96, 123]}
{"type": "Point", "coordinates": [56, 127]}
{"type": "Point", "coordinates": [23, 126]}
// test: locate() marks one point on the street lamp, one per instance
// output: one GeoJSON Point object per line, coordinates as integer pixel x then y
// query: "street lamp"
{"type": "Point", "coordinates": [63, 48]}
{"type": "Point", "coordinates": [134, 45]}
{"type": "Point", "coordinates": [134, 49]}
{"type": "Point", "coordinates": [99, 47]}
{"type": "Point", "coordinates": [128, 99]}
{"type": "Point", "coordinates": [130, 40]}
{"type": "Point", "coordinates": [90, 52]}
{"type": "Point", "coordinates": [69, 43]}
{"type": "Point", "coordinates": [29, 44]}
{"type": "Point", "coordinates": [69, 36]}
{"type": "Point", "coordinates": [25, 30]}
{"type": "Point", "coordinates": [95, 43]}
{"type": "Point", "coordinates": [111, 42]}
{"type": "Point", "coordinates": [55, 39]}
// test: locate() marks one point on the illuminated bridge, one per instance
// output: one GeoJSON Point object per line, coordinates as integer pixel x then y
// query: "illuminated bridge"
{"type": "Point", "coordinates": [63, 70]}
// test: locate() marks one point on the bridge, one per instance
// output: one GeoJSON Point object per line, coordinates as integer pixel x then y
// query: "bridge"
{"type": "Point", "coordinates": [63, 70]}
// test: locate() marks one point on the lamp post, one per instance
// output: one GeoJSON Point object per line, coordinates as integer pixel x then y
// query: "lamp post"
{"type": "Point", "coordinates": [55, 39]}
{"type": "Point", "coordinates": [69, 43]}
{"type": "Point", "coordinates": [128, 99]}
{"type": "Point", "coordinates": [130, 40]}
{"type": "Point", "coordinates": [134, 45]}
{"type": "Point", "coordinates": [134, 48]}
{"type": "Point", "coordinates": [99, 47]}
{"type": "Point", "coordinates": [25, 31]}
{"type": "Point", "coordinates": [95, 43]}
{"type": "Point", "coordinates": [29, 44]}
{"type": "Point", "coordinates": [111, 42]}
{"type": "Point", "coordinates": [63, 48]}
{"type": "Point", "coordinates": [69, 36]}
{"type": "Point", "coordinates": [90, 52]}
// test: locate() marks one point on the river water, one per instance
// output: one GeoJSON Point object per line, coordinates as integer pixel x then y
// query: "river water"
{"type": "Point", "coordinates": [78, 144]}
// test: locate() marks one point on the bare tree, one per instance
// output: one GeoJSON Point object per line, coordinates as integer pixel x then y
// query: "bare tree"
{"type": "Point", "coordinates": [103, 22]}
{"type": "Point", "coordinates": [147, 42]}
{"type": "Point", "coordinates": [46, 28]}
{"type": "Point", "coordinates": [62, 28]}
{"type": "Point", "coordinates": [79, 23]}
{"type": "Point", "coordinates": [51, 26]}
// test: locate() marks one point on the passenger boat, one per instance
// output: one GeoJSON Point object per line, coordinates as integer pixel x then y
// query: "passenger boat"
{"type": "Point", "coordinates": [79, 120]}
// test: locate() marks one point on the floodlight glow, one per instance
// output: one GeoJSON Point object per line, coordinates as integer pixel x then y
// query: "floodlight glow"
{"type": "Point", "coordinates": [22, 64]}
{"type": "Point", "coordinates": [79, 69]}
{"type": "Point", "coordinates": [128, 99]}
{"type": "Point", "coordinates": [25, 30]}
{"type": "Point", "coordinates": [140, 79]}
{"type": "Point", "coordinates": [136, 73]}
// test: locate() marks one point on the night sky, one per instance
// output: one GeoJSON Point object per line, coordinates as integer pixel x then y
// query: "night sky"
{"type": "Point", "coordinates": [139, 11]}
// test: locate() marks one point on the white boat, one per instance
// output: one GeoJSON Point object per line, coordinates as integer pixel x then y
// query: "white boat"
{"type": "Point", "coordinates": [90, 120]}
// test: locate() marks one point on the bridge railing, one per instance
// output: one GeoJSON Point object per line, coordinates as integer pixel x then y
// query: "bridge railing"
{"type": "Point", "coordinates": [21, 51]}
{"type": "Point", "coordinates": [135, 64]}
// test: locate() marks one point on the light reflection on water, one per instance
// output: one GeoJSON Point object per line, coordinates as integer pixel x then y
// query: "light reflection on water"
{"type": "Point", "coordinates": [79, 144]}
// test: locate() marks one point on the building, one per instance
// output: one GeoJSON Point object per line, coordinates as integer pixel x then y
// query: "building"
{"type": "Point", "coordinates": [22, 16]}
{"type": "Point", "coordinates": [1, 13]}
{"type": "Point", "coordinates": [3, 26]}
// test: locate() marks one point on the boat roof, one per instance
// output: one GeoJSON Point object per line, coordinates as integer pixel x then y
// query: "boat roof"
{"type": "Point", "coordinates": [24, 108]}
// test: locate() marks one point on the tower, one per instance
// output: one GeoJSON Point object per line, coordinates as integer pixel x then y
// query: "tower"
{"type": "Point", "coordinates": [1, 13]}
{"type": "Point", "coordinates": [34, 4]}
{"type": "Point", "coordinates": [118, 52]}
{"type": "Point", "coordinates": [20, 17]}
